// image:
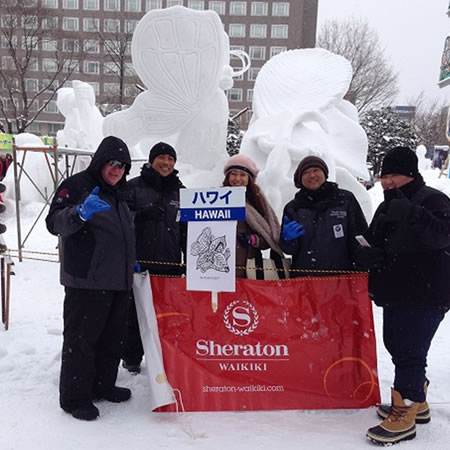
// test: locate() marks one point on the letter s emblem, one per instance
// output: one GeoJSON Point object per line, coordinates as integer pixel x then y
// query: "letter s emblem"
{"type": "Point", "coordinates": [241, 318]}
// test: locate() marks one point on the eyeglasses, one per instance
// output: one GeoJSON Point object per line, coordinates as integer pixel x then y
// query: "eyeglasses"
{"type": "Point", "coordinates": [116, 163]}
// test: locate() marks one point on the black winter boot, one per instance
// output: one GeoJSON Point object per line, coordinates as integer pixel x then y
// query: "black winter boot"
{"type": "Point", "coordinates": [85, 412]}
{"type": "Point", "coordinates": [115, 395]}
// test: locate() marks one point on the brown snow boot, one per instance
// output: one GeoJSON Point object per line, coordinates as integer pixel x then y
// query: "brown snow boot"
{"type": "Point", "coordinates": [423, 411]}
{"type": "Point", "coordinates": [400, 425]}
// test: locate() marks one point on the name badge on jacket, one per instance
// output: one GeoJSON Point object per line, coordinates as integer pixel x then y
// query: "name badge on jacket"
{"type": "Point", "coordinates": [338, 231]}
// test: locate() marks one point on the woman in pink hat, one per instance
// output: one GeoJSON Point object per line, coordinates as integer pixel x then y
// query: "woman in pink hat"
{"type": "Point", "coordinates": [261, 228]}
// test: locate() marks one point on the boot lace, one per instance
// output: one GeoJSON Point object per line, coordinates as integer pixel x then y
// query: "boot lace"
{"type": "Point", "coordinates": [397, 413]}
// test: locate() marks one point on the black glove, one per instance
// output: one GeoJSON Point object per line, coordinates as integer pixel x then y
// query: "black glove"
{"type": "Point", "coordinates": [151, 212]}
{"type": "Point", "coordinates": [399, 210]}
{"type": "Point", "coordinates": [369, 257]}
{"type": "Point", "coordinates": [244, 239]}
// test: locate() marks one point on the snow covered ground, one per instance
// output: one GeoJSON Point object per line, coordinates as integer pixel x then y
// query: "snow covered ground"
{"type": "Point", "coordinates": [30, 417]}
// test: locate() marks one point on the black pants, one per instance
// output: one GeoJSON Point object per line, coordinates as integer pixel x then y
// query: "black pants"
{"type": "Point", "coordinates": [133, 352]}
{"type": "Point", "coordinates": [407, 335]}
{"type": "Point", "coordinates": [94, 332]}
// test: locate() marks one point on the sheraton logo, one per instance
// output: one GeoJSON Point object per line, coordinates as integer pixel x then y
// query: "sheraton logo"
{"type": "Point", "coordinates": [241, 318]}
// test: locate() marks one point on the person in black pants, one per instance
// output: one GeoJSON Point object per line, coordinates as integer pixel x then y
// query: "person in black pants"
{"type": "Point", "coordinates": [409, 267]}
{"type": "Point", "coordinates": [154, 196]}
{"type": "Point", "coordinates": [90, 214]}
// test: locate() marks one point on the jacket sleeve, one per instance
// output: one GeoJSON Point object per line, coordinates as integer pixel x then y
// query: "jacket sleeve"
{"type": "Point", "coordinates": [63, 218]}
{"type": "Point", "coordinates": [357, 225]}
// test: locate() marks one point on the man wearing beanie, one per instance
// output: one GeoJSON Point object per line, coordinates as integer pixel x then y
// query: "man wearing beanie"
{"type": "Point", "coordinates": [320, 223]}
{"type": "Point", "coordinates": [409, 267]}
{"type": "Point", "coordinates": [160, 238]}
{"type": "Point", "coordinates": [90, 215]}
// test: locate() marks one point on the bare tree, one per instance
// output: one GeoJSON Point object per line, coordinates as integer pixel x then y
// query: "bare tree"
{"type": "Point", "coordinates": [430, 121]}
{"type": "Point", "coordinates": [24, 28]}
{"type": "Point", "coordinates": [117, 63]}
{"type": "Point", "coordinates": [374, 83]}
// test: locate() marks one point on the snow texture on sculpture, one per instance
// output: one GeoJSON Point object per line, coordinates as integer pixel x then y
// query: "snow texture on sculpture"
{"type": "Point", "coordinates": [299, 110]}
{"type": "Point", "coordinates": [182, 57]}
{"type": "Point", "coordinates": [83, 124]}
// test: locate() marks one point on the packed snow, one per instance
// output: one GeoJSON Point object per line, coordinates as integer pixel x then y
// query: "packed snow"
{"type": "Point", "coordinates": [30, 417]}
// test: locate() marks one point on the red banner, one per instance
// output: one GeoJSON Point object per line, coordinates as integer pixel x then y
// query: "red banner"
{"type": "Point", "coordinates": [306, 343]}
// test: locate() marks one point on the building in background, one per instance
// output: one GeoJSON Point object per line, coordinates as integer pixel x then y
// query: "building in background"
{"type": "Point", "coordinates": [406, 113]}
{"type": "Point", "coordinates": [95, 35]}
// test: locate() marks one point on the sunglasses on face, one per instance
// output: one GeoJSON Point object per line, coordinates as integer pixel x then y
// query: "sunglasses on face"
{"type": "Point", "coordinates": [116, 163]}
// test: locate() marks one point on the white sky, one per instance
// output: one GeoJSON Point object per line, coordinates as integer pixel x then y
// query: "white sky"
{"type": "Point", "coordinates": [413, 33]}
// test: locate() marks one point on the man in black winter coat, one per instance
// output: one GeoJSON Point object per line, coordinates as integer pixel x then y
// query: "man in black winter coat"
{"type": "Point", "coordinates": [320, 223]}
{"type": "Point", "coordinates": [160, 237]}
{"type": "Point", "coordinates": [409, 262]}
{"type": "Point", "coordinates": [90, 214]}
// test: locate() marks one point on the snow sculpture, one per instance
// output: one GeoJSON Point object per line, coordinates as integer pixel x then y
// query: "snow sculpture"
{"type": "Point", "coordinates": [424, 163]}
{"type": "Point", "coordinates": [299, 110]}
{"type": "Point", "coordinates": [182, 56]}
{"type": "Point", "coordinates": [83, 125]}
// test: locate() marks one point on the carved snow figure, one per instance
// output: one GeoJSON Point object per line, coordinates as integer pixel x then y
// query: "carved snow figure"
{"type": "Point", "coordinates": [299, 110]}
{"type": "Point", "coordinates": [424, 163]}
{"type": "Point", "coordinates": [212, 252]}
{"type": "Point", "coordinates": [182, 57]}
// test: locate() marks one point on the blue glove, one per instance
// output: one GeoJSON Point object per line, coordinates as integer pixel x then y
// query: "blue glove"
{"type": "Point", "coordinates": [137, 267]}
{"type": "Point", "coordinates": [91, 205]}
{"type": "Point", "coordinates": [291, 229]}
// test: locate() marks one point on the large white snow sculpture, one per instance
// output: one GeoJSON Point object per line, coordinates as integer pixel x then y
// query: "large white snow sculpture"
{"type": "Point", "coordinates": [83, 125]}
{"type": "Point", "coordinates": [299, 110]}
{"type": "Point", "coordinates": [182, 57]}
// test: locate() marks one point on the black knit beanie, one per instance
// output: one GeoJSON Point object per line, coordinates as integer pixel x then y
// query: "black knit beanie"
{"type": "Point", "coordinates": [400, 160]}
{"type": "Point", "coordinates": [161, 148]}
{"type": "Point", "coordinates": [306, 163]}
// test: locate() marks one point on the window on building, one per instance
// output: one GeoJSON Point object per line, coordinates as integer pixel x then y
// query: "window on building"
{"type": "Point", "coordinates": [51, 107]}
{"type": "Point", "coordinates": [257, 52]}
{"type": "Point", "coordinates": [70, 24]}
{"type": "Point", "coordinates": [91, 67]}
{"type": "Point", "coordinates": [34, 128]}
{"type": "Point", "coordinates": [91, 25]}
{"type": "Point", "coordinates": [280, 9]}
{"type": "Point", "coordinates": [129, 70]}
{"type": "Point", "coordinates": [249, 95]}
{"type": "Point", "coordinates": [131, 91]}
{"type": "Point", "coordinates": [49, 65]}
{"type": "Point", "coordinates": [30, 42]}
{"type": "Point", "coordinates": [258, 30]}
{"type": "Point", "coordinates": [133, 5]}
{"type": "Point", "coordinates": [259, 8]}
{"type": "Point", "coordinates": [50, 85]}
{"type": "Point", "coordinates": [130, 25]}
{"type": "Point", "coordinates": [53, 128]}
{"type": "Point", "coordinates": [9, 42]}
{"type": "Point", "coordinates": [111, 88]}
{"type": "Point", "coordinates": [91, 46]}
{"type": "Point", "coordinates": [96, 86]}
{"type": "Point", "coordinates": [110, 68]}
{"type": "Point", "coordinates": [279, 31]}
{"type": "Point", "coordinates": [236, 47]}
{"type": "Point", "coordinates": [70, 45]}
{"type": "Point", "coordinates": [236, 30]}
{"type": "Point", "coordinates": [111, 25]}
{"type": "Point", "coordinates": [218, 7]}
{"type": "Point", "coordinates": [171, 3]}
{"type": "Point", "coordinates": [33, 65]}
{"type": "Point", "coordinates": [71, 66]}
{"type": "Point", "coordinates": [153, 4]}
{"type": "Point", "coordinates": [235, 95]}
{"type": "Point", "coordinates": [111, 5]}
{"type": "Point", "coordinates": [70, 4]}
{"type": "Point", "coordinates": [196, 4]}
{"type": "Point", "coordinates": [238, 8]}
{"type": "Point", "coordinates": [50, 4]}
{"type": "Point", "coordinates": [49, 23]}
{"type": "Point", "coordinates": [32, 107]}
{"type": "Point", "coordinates": [276, 50]}
{"type": "Point", "coordinates": [30, 22]}
{"type": "Point", "coordinates": [31, 84]}
{"type": "Point", "coordinates": [91, 5]}
{"type": "Point", "coordinates": [253, 73]}
{"type": "Point", "coordinates": [49, 45]}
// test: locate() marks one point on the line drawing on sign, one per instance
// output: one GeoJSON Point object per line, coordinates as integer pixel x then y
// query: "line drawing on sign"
{"type": "Point", "coordinates": [212, 252]}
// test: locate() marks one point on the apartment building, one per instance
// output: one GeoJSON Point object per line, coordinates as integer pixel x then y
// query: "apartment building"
{"type": "Point", "coordinates": [88, 29]}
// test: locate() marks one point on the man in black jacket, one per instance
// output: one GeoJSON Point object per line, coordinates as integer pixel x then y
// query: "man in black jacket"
{"type": "Point", "coordinates": [320, 223]}
{"type": "Point", "coordinates": [92, 218]}
{"type": "Point", "coordinates": [155, 198]}
{"type": "Point", "coordinates": [409, 261]}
